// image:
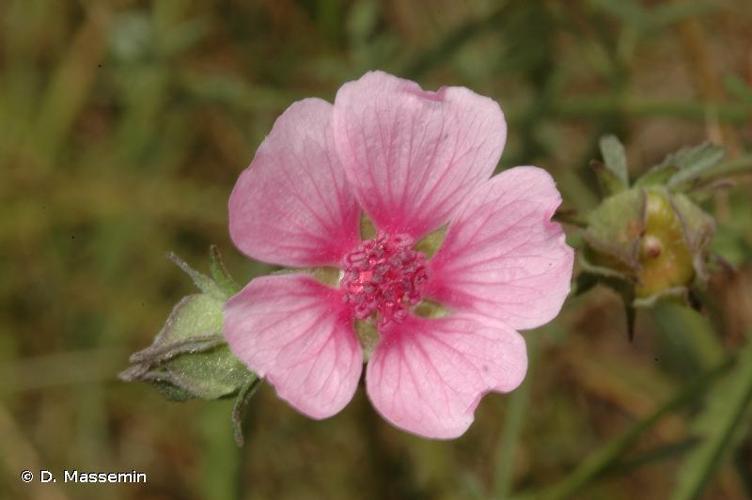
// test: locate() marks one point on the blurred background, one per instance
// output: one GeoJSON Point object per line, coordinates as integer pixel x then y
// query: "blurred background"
{"type": "Point", "coordinates": [123, 126]}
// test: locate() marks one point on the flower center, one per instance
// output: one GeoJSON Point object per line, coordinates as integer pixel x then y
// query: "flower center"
{"type": "Point", "coordinates": [384, 276]}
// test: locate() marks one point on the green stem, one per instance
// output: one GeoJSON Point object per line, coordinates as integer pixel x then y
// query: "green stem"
{"type": "Point", "coordinates": [221, 458]}
{"type": "Point", "coordinates": [653, 455]}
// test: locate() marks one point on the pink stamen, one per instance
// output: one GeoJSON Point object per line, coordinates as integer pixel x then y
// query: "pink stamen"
{"type": "Point", "coordinates": [385, 277]}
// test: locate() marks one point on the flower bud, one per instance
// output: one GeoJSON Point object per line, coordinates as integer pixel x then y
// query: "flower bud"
{"type": "Point", "coordinates": [189, 358]}
{"type": "Point", "coordinates": [649, 240]}
{"type": "Point", "coordinates": [665, 260]}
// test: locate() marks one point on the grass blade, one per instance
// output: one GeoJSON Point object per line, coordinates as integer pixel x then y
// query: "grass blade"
{"type": "Point", "coordinates": [718, 424]}
{"type": "Point", "coordinates": [598, 462]}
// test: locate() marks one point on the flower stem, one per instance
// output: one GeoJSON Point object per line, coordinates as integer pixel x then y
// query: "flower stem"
{"type": "Point", "coordinates": [221, 459]}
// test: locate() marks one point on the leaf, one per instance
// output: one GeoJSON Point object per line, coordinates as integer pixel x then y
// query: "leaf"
{"type": "Point", "coordinates": [657, 175]}
{"type": "Point", "coordinates": [721, 421]}
{"type": "Point", "coordinates": [692, 162]}
{"type": "Point", "coordinates": [615, 161]}
{"type": "Point", "coordinates": [609, 182]}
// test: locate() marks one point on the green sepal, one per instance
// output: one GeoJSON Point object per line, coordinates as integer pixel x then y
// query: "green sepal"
{"type": "Point", "coordinates": [368, 230]}
{"type": "Point", "coordinates": [697, 224]}
{"type": "Point", "coordinates": [326, 275]}
{"type": "Point", "coordinates": [430, 309]}
{"type": "Point", "coordinates": [612, 173]}
{"type": "Point", "coordinates": [368, 336]}
{"type": "Point", "coordinates": [204, 283]}
{"type": "Point", "coordinates": [614, 230]}
{"type": "Point", "coordinates": [599, 271]}
{"type": "Point", "coordinates": [677, 293]}
{"type": "Point", "coordinates": [220, 274]}
{"type": "Point", "coordinates": [431, 242]}
{"type": "Point", "coordinates": [698, 228]}
{"type": "Point", "coordinates": [240, 407]}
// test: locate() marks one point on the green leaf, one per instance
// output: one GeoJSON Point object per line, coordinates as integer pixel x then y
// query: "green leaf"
{"type": "Point", "coordinates": [718, 425]}
{"type": "Point", "coordinates": [615, 176]}
{"type": "Point", "coordinates": [657, 175]}
{"type": "Point", "coordinates": [692, 163]}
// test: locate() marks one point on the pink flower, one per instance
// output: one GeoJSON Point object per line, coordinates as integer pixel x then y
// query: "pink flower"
{"type": "Point", "coordinates": [413, 161]}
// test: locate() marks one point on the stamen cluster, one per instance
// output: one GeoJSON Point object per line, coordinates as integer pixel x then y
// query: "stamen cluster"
{"type": "Point", "coordinates": [384, 276]}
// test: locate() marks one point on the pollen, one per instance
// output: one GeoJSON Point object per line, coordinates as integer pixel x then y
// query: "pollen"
{"type": "Point", "coordinates": [384, 277]}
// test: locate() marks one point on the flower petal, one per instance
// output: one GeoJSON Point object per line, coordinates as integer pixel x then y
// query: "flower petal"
{"type": "Point", "coordinates": [297, 333]}
{"type": "Point", "coordinates": [427, 376]}
{"type": "Point", "coordinates": [412, 155]}
{"type": "Point", "coordinates": [502, 256]}
{"type": "Point", "coordinates": [292, 206]}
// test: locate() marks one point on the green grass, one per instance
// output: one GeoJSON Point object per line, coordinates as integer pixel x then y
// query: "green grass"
{"type": "Point", "coordinates": [123, 126]}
